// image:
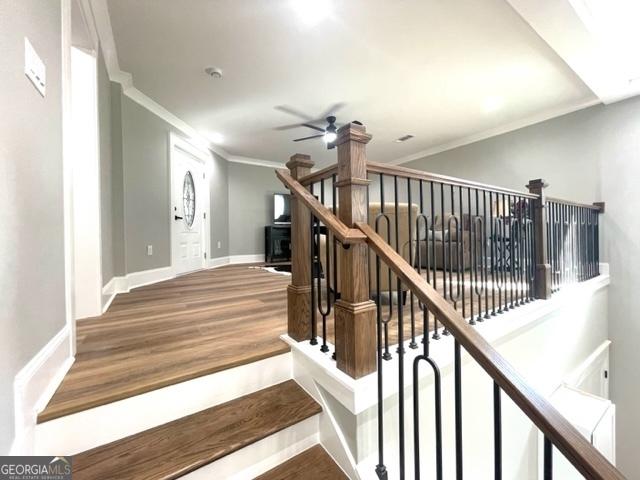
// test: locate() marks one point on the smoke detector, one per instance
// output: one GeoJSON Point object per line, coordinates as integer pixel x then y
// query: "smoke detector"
{"type": "Point", "coordinates": [213, 72]}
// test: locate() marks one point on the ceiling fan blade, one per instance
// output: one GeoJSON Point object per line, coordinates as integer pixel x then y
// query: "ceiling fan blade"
{"type": "Point", "coordinates": [288, 127]}
{"type": "Point", "coordinates": [308, 138]}
{"type": "Point", "coordinates": [333, 109]}
{"type": "Point", "coordinates": [308, 125]}
{"type": "Point", "coordinates": [293, 111]}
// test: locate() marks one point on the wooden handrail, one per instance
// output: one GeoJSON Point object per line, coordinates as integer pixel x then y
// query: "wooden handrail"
{"type": "Point", "coordinates": [405, 172]}
{"type": "Point", "coordinates": [584, 457]}
{"type": "Point", "coordinates": [344, 234]}
{"type": "Point", "coordinates": [575, 204]}
{"type": "Point", "coordinates": [319, 175]}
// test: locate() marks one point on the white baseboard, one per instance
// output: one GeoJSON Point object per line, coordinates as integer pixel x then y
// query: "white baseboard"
{"type": "Point", "coordinates": [253, 258]}
{"type": "Point", "coordinates": [84, 430]}
{"type": "Point", "coordinates": [132, 280]}
{"type": "Point", "coordinates": [34, 386]}
{"type": "Point", "coordinates": [235, 259]}
{"type": "Point", "coordinates": [218, 262]}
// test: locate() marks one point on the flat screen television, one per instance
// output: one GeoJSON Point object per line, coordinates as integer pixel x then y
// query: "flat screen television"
{"type": "Point", "coordinates": [281, 210]}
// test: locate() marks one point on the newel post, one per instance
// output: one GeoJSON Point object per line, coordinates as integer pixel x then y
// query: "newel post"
{"type": "Point", "coordinates": [354, 311]}
{"type": "Point", "coordinates": [299, 291]}
{"type": "Point", "coordinates": [542, 281]}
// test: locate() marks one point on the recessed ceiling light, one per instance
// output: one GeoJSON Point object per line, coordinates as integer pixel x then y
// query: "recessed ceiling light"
{"type": "Point", "coordinates": [312, 12]}
{"type": "Point", "coordinates": [215, 137]}
{"type": "Point", "coordinates": [493, 103]}
{"type": "Point", "coordinates": [404, 138]}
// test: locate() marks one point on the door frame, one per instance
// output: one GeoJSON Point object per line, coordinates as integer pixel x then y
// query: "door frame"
{"type": "Point", "coordinates": [205, 158]}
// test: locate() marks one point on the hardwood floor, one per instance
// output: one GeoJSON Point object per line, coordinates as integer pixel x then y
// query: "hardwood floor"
{"type": "Point", "coordinates": [187, 327]}
{"type": "Point", "coordinates": [174, 331]}
{"type": "Point", "coordinates": [176, 448]}
{"type": "Point", "coordinates": [314, 463]}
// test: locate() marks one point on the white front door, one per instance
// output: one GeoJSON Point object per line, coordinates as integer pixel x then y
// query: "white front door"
{"type": "Point", "coordinates": [188, 206]}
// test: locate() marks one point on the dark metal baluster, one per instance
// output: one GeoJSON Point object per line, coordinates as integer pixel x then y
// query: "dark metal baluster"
{"type": "Point", "coordinates": [485, 280]}
{"type": "Point", "coordinates": [492, 246]}
{"type": "Point", "coordinates": [461, 245]}
{"type": "Point", "coordinates": [521, 241]}
{"type": "Point", "coordinates": [399, 293]}
{"type": "Point", "coordinates": [436, 333]}
{"type": "Point", "coordinates": [381, 469]}
{"type": "Point", "coordinates": [401, 351]}
{"type": "Point", "coordinates": [512, 253]}
{"type": "Point", "coordinates": [314, 333]}
{"type": "Point", "coordinates": [472, 259]}
{"type": "Point", "coordinates": [551, 242]}
{"type": "Point", "coordinates": [413, 343]}
{"type": "Point", "coordinates": [505, 261]}
{"type": "Point", "coordinates": [458, 408]}
{"type": "Point", "coordinates": [597, 242]}
{"type": "Point", "coordinates": [548, 459]}
{"type": "Point", "coordinates": [437, 410]}
{"type": "Point", "coordinates": [499, 247]}
{"type": "Point", "coordinates": [324, 312]}
{"type": "Point", "coordinates": [497, 432]}
{"type": "Point", "coordinates": [444, 251]}
{"type": "Point", "coordinates": [454, 223]}
{"type": "Point", "coordinates": [478, 257]}
{"type": "Point", "coordinates": [532, 263]}
{"type": "Point", "coordinates": [336, 291]}
{"type": "Point", "coordinates": [385, 321]}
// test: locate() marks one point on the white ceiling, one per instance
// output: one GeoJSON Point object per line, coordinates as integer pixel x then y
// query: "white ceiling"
{"type": "Point", "coordinates": [441, 70]}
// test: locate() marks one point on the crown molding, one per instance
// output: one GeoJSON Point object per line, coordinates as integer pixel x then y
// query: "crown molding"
{"type": "Point", "coordinates": [101, 24]}
{"type": "Point", "coordinates": [493, 132]}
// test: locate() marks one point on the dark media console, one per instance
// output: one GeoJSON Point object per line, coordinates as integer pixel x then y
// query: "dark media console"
{"type": "Point", "coordinates": [277, 243]}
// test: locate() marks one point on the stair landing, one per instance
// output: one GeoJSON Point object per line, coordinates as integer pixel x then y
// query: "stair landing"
{"type": "Point", "coordinates": [174, 331]}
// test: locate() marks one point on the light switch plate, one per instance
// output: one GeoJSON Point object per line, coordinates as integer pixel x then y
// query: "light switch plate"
{"type": "Point", "coordinates": [149, 250]}
{"type": "Point", "coordinates": [34, 68]}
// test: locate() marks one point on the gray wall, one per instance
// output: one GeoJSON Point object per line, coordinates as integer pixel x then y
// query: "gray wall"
{"type": "Point", "coordinates": [586, 156]}
{"type": "Point", "coordinates": [251, 190]}
{"type": "Point", "coordinates": [219, 208]}
{"type": "Point", "coordinates": [145, 150]}
{"type": "Point", "coordinates": [32, 277]}
{"type": "Point", "coordinates": [117, 183]}
{"type": "Point", "coordinates": [140, 164]}
{"type": "Point", "coordinates": [555, 150]}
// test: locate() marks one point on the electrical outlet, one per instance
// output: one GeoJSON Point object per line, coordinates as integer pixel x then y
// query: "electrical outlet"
{"type": "Point", "coordinates": [219, 244]}
{"type": "Point", "coordinates": [149, 250]}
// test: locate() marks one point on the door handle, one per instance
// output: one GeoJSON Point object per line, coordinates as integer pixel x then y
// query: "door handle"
{"type": "Point", "coordinates": [176, 217]}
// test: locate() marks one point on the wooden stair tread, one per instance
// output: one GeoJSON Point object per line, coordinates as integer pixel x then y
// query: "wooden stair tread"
{"type": "Point", "coordinates": [178, 447]}
{"type": "Point", "coordinates": [314, 463]}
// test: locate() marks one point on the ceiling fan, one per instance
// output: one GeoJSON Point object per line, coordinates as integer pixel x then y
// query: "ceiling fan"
{"type": "Point", "coordinates": [328, 133]}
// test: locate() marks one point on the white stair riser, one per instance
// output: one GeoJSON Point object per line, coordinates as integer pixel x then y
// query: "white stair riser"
{"type": "Point", "coordinates": [100, 425]}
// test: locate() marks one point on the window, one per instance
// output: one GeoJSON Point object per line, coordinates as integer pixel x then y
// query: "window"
{"type": "Point", "coordinates": [189, 199]}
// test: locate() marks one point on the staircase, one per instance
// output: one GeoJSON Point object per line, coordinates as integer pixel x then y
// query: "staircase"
{"type": "Point", "coordinates": [269, 433]}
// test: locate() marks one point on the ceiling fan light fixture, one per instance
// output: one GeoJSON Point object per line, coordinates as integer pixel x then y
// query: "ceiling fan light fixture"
{"type": "Point", "coordinates": [330, 137]}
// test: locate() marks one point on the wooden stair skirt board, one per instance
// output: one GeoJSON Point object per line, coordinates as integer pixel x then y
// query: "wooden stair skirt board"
{"type": "Point", "coordinates": [189, 443]}
{"type": "Point", "coordinates": [312, 464]}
